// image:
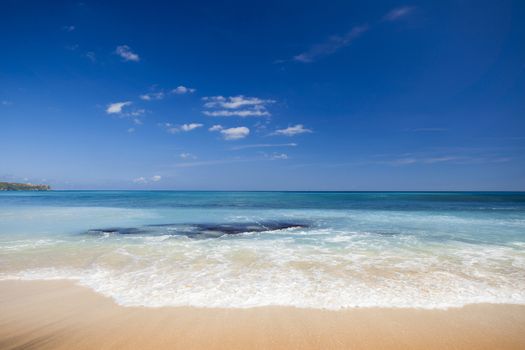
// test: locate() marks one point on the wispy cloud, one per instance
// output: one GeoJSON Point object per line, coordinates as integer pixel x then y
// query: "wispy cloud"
{"type": "Point", "coordinates": [236, 106]}
{"type": "Point", "coordinates": [150, 96]}
{"type": "Point", "coordinates": [292, 130]}
{"type": "Point", "coordinates": [91, 56]}
{"type": "Point", "coordinates": [241, 113]}
{"type": "Point", "coordinates": [264, 145]}
{"type": "Point", "coordinates": [159, 95]}
{"type": "Point", "coordinates": [6, 103]}
{"type": "Point", "coordinates": [173, 129]}
{"type": "Point", "coordinates": [211, 162]}
{"type": "Point", "coordinates": [230, 134]}
{"type": "Point", "coordinates": [233, 102]}
{"type": "Point", "coordinates": [399, 13]}
{"type": "Point", "coordinates": [436, 158]}
{"type": "Point", "coordinates": [124, 51]}
{"type": "Point", "coordinates": [190, 127]}
{"type": "Point", "coordinates": [191, 164]}
{"type": "Point", "coordinates": [215, 128]}
{"type": "Point", "coordinates": [72, 47]}
{"type": "Point", "coordinates": [68, 28]}
{"type": "Point", "coordinates": [279, 156]}
{"type": "Point", "coordinates": [117, 107]}
{"type": "Point", "coordinates": [337, 42]}
{"type": "Point", "coordinates": [137, 112]}
{"type": "Point", "coordinates": [428, 130]}
{"type": "Point", "coordinates": [419, 160]}
{"type": "Point", "coordinates": [186, 155]}
{"type": "Point", "coordinates": [145, 180]}
{"type": "Point", "coordinates": [136, 115]}
{"type": "Point", "coordinates": [332, 45]}
{"type": "Point", "coordinates": [181, 90]}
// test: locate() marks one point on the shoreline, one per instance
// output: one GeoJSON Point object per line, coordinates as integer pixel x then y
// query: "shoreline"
{"type": "Point", "coordinates": [63, 315]}
{"type": "Point", "coordinates": [73, 283]}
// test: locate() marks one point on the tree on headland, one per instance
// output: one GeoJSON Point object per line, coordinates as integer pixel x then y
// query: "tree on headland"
{"type": "Point", "coordinates": [12, 186]}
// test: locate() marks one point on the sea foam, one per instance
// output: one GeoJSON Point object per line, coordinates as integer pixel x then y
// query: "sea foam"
{"type": "Point", "coordinates": [342, 271]}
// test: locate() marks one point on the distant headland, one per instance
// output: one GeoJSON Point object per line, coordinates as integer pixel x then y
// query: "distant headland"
{"type": "Point", "coordinates": [11, 186]}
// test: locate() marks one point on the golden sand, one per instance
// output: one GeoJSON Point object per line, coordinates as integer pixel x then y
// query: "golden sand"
{"type": "Point", "coordinates": [61, 315]}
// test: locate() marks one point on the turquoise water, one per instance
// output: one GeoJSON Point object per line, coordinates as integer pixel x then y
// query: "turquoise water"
{"type": "Point", "coordinates": [246, 249]}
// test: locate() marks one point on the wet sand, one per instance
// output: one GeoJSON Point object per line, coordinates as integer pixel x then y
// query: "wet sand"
{"type": "Point", "coordinates": [61, 315]}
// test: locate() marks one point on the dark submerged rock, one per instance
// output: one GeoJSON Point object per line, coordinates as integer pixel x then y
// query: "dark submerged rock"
{"type": "Point", "coordinates": [200, 230]}
{"type": "Point", "coordinates": [232, 229]}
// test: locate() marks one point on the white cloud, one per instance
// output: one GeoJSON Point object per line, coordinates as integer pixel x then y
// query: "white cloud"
{"type": "Point", "coordinates": [213, 101]}
{"type": "Point", "coordinates": [173, 129]}
{"type": "Point", "coordinates": [159, 95]}
{"type": "Point", "coordinates": [332, 45]}
{"type": "Point", "coordinates": [131, 130]}
{"type": "Point", "coordinates": [215, 128]}
{"type": "Point", "coordinates": [236, 106]}
{"type": "Point", "coordinates": [234, 102]}
{"type": "Point", "coordinates": [241, 113]}
{"type": "Point", "coordinates": [398, 13]}
{"type": "Point", "coordinates": [150, 96]}
{"type": "Point", "coordinates": [292, 130]}
{"type": "Point", "coordinates": [181, 90]}
{"type": "Point", "coordinates": [186, 155]}
{"type": "Point", "coordinates": [230, 134]}
{"type": "Point", "coordinates": [140, 180]}
{"type": "Point", "coordinates": [125, 52]}
{"type": "Point", "coordinates": [235, 133]}
{"type": "Point", "coordinates": [6, 103]}
{"type": "Point", "coordinates": [281, 156]}
{"type": "Point", "coordinates": [264, 145]}
{"type": "Point", "coordinates": [144, 180]}
{"type": "Point", "coordinates": [190, 127]}
{"type": "Point", "coordinates": [68, 28]}
{"type": "Point", "coordinates": [116, 108]}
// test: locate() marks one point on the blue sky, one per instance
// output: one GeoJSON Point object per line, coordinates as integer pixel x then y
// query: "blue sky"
{"type": "Point", "coordinates": [274, 95]}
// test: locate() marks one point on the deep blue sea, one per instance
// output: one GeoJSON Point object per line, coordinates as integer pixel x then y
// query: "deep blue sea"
{"type": "Point", "coordinates": [246, 249]}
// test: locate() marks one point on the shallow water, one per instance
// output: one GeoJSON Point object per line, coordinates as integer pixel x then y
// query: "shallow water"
{"type": "Point", "coordinates": [244, 249]}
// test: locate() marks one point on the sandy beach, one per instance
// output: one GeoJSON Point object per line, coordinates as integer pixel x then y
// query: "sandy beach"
{"type": "Point", "coordinates": [61, 315]}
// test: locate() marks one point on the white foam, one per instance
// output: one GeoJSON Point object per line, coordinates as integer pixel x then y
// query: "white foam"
{"type": "Point", "coordinates": [256, 272]}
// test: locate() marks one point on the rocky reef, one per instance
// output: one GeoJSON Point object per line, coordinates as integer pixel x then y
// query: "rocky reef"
{"type": "Point", "coordinates": [199, 231]}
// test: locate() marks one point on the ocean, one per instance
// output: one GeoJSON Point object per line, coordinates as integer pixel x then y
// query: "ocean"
{"type": "Point", "coordinates": [329, 250]}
